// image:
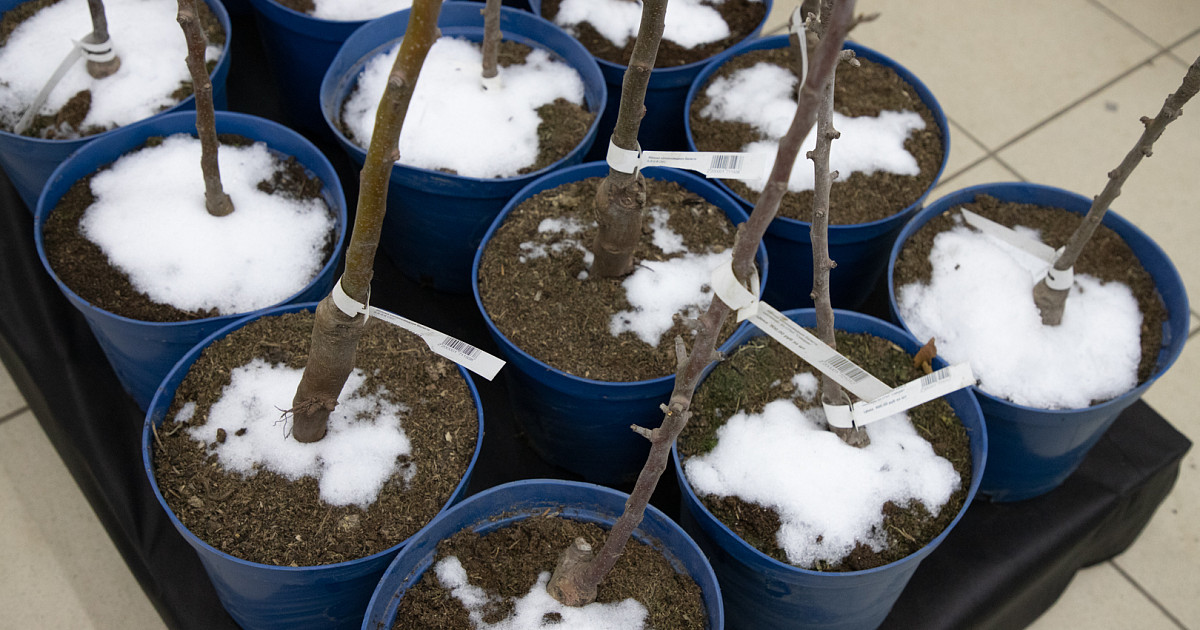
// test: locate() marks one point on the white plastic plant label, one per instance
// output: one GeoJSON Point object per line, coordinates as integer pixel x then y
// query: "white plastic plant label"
{"type": "Point", "coordinates": [1055, 279]}
{"type": "Point", "coordinates": [878, 401]}
{"type": "Point", "coordinates": [707, 163]}
{"type": "Point", "coordinates": [441, 344]}
{"type": "Point", "coordinates": [1010, 236]}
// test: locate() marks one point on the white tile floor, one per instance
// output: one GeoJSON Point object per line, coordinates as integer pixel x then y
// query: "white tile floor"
{"type": "Point", "coordinates": [1040, 90]}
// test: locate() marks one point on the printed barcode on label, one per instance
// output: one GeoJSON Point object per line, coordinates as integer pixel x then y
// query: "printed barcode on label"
{"type": "Point", "coordinates": [460, 347]}
{"type": "Point", "coordinates": [940, 375]}
{"type": "Point", "coordinates": [725, 162]}
{"type": "Point", "coordinates": [848, 369]}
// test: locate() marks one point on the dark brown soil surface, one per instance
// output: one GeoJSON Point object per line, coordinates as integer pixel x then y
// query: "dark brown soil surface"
{"type": "Point", "coordinates": [564, 124]}
{"type": "Point", "coordinates": [545, 309]}
{"type": "Point", "coordinates": [507, 562]}
{"type": "Point", "coordinates": [83, 267]}
{"type": "Point", "coordinates": [1106, 257]}
{"type": "Point", "coordinates": [863, 91]}
{"type": "Point", "coordinates": [268, 519]}
{"type": "Point", "coordinates": [759, 372]}
{"type": "Point", "coordinates": [742, 16]}
{"type": "Point", "coordinates": [49, 126]}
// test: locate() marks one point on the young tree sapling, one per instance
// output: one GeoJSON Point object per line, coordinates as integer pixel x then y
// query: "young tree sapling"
{"type": "Point", "coordinates": [491, 41]}
{"type": "Point", "coordinates": [1051, 301]}
{"type": "Point", "coordinates": [831, 393]}
{"type": "Point", "coordinates": [99, 37]}
{"type": "Point", "coordinates": [216, 201]}
{"type": "Point", "coordinates": [335, 334]}
{"type": "Point", "coordinates": [576, 579]}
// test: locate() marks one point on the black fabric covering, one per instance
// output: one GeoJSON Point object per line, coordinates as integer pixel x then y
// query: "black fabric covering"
{"type": "Point", "coordinates": [1000, 568]}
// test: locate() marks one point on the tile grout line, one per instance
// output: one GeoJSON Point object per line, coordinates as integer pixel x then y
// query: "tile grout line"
{"type": "Point", "coordinates": [1175, 620]}
{"type": "Point", "coordinates": [1077, 102]}
{"type": "Point", "coordinates": [14, 413]}
{"type": "Point", "coordinates": [1115, 16]}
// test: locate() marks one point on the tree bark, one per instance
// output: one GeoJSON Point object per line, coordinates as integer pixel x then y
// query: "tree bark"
{"type": "Point", "coordinates": [831, 392]}
{"type": "Point", "coordinates": [335, 334]}
{"type": "Point", "coordinates": [215, 200]}
{"type": "Point", "coordinates": [1051, 302]}
{"type": "Point", "coordinates": [99, 35]}
{"type": "Point", "coordinates": [491, 38]}
{"type": "Point", "coordinates": [621, 197]}
{"type": "Point", "coordinates": [577, 585]}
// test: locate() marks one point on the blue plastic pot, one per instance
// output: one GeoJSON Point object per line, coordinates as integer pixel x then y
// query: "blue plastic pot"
{"type": "Point", "coordinates": [435, 219]}
{"type": "Point", "coordinates": [1034, 450]}
{"type": "Point", "coordinates": [30, 161]}
{"type": "Point", "coordinates": [504, 505]}
{"type": "Point", "coordinates": [582, 424]}
{"type": "Point", "coordinates": [269, 597]}
{"type": "Point", "coordinates": [860, 250]}
{"type": "Point", "coordinates": [141, 353]}
{"type": "Point", "coordinates": [662, 128]}
{"type": "Point", "coordinates": [300, 48]}
{"type": "Point", "coordinates": [762, 592]}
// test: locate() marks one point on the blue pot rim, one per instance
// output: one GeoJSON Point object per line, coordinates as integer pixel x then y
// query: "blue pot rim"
{"type": "Point", "coordinates": [977, 467]}
{"type": "Point", "coordinates": [715, 607]}
{"type": "Point", "coordinates": [457, 30]}
{"type": "Point", "coordinates": [186, 120]}
{"type": "Point", "coordinates": [300, 15]}
{"type": "Point", "coordinates": [222, 67]}
{"type": "Point", "coordinates": [185, 364]}
{"type": "Point", "coordinates": [678, 74]}
{"type": "Point", "coordinates": [567, 175]}
{"type": "Point", "coordinates": [781, 41]}
{"type": "Point", "coordinates": [1111, 219]}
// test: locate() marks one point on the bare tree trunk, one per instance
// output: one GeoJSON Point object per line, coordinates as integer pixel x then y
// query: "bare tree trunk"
{"type": "Point", "coordinates": [491, 38]}
{"type": "Point", "coordinates": [99, 35]}
{"type": "Point", "coordinates": [621, 197]}
{"type": "Point", "coordinates": [335, 334]}
{"type": "Point", "coordinates": [215, 200]}
{"type": "Point", "coordinates": [576, 580]}
{"type": "Point", "coordinates": [831, 392]}
{"type": "Point", "coordinates": [1050, 301]}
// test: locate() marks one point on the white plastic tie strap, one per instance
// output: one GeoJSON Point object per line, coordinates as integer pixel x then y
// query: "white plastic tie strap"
{"type": "Point", "coordinates": [1055, 279]}
{"type": "Point", "coordinates": [98, 52]}
{"type": "Point", "coordinates": [1060, 280]}
{"type": "Point", "coordinates": [707, 163]}
{"type": "Point", "coordinates": [441, 344]}
{"type": "Point", "coordinates": [877, 400]}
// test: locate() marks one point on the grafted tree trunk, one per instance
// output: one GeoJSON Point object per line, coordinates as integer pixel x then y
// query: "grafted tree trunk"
{"type": "Point", "coordinates": [1050, 301]}
{"type": "Point", "coordinates": [99, 36]}
{"type": "Point", "coordinates": [215, 200]}
{"type": "Point", "coordinates": [578, 575]}
{"type": "Point", "coordinates": [335, 334]}
{"type": "Point", "coordinates": [621, 197]}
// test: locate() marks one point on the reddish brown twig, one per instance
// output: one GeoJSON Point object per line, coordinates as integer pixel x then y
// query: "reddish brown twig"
{"type": "Point", "coordinates": [215, 200]}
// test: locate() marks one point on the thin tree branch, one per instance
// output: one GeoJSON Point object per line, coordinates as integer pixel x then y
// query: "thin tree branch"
{"type": "Point", "coordinates": [215, 200]}
{"type": "Point", "coordinates": [621, 197]}
{"type": "Point", "coordinates": [1051, 302]}
{"type": "Point", "coordinates": [336, 334]}
{"type": "Point", "coordinates": [577, 586]}
{"type": "Point", "coordinates": [831, 392]}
